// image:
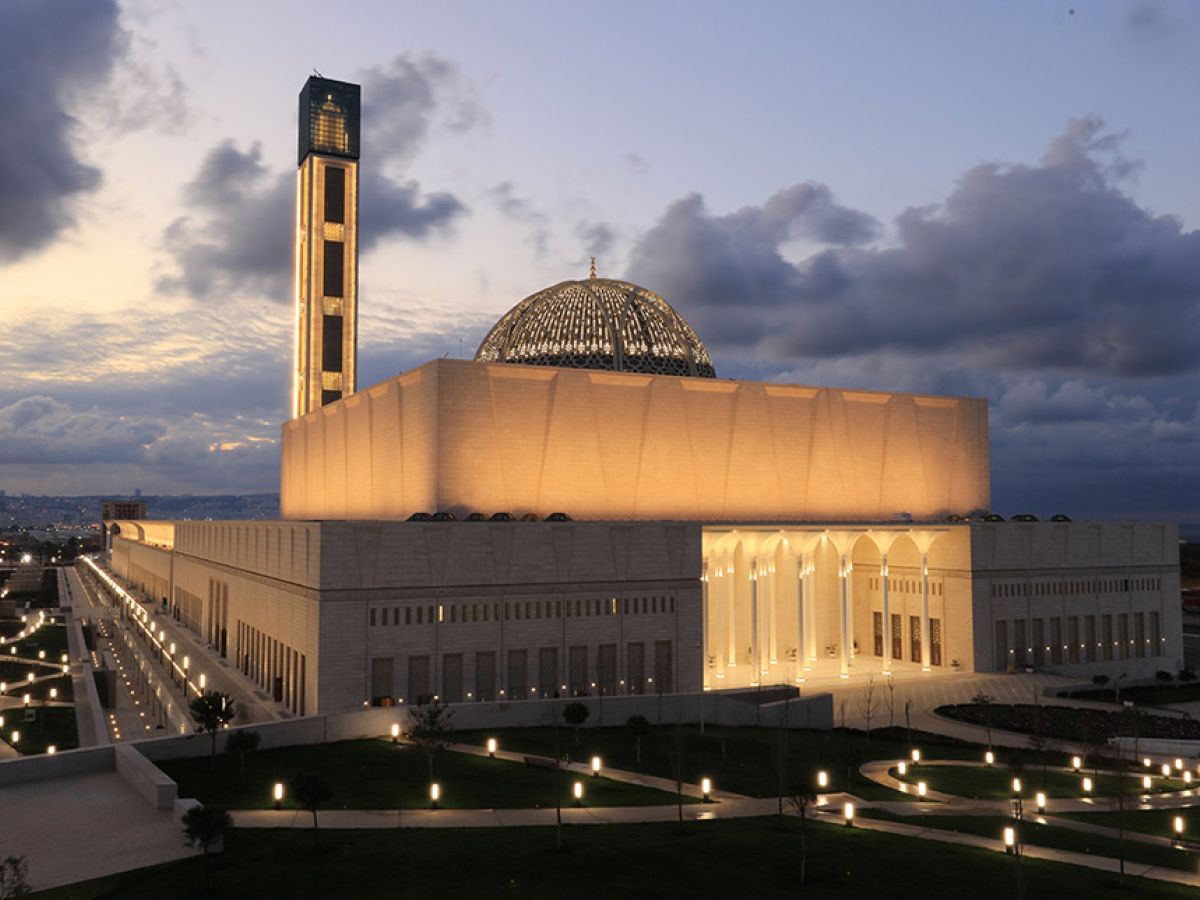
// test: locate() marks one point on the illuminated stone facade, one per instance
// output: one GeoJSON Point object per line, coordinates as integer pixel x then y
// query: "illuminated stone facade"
{"type": "Point", "coordinates": [464, 437]}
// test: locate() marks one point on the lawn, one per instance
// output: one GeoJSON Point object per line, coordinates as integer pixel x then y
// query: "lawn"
{"type": "Point", "coordinates": [980, 783]}
{"type": "Point", "coordinates": [1050, 836]}
{"type": "Point", "coordinates": [716, 858]}
{"type": "Point", "coordinates": [1148, 821]}
{"type": "Point", "coordinates": [375, 774]}
{"type": "Point", "coordinates": [52, 725]}
{"type": "Point", "coordinates": [51, 638]}
{"type": "Point", "coordinates": [743, 760]}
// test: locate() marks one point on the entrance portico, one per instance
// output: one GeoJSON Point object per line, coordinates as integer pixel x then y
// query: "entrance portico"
{"type": "Point", "coordinates": [787, 604]}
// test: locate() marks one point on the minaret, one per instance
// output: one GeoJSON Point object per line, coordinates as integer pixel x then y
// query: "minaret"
{"type": "Point", "coordinates": [326, 352]}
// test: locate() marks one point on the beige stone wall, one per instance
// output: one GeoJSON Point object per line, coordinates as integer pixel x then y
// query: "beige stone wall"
{"type": "Point", "coordinates": [1084, 571]}
{"type": "Point", "coordinates": [465, 436]}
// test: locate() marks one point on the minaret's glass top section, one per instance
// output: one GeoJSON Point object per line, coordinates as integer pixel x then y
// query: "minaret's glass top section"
{"type": "Point", "coordinates": [329, 118]}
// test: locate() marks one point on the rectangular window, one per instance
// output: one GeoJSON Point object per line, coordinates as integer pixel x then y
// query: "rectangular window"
{"type": "Point", "coordinates": [935, 642]}
{"type": "Point", "coordinates": [372, 616]}
{"type": "Point", "coordinates": [1139, 632]}
{"type": "Point", "coordinates": [877, 631]}
{"type": "Point", "coordinates": [408, 615]}
{"type": "Point", "coordinates": [897, 637]}
{"type": "Point", "coordinates": [418, 679]}
{"type": "Point", "coordinates": [381, 681]}
{"type": "Point", "coordinates": [518, 680]}
{"type": "Point", "coordinates": [333, 284]}
{"type": "Point", "coordinates": [1039, 642]}
{"type": "Point", "coordinates": [664, 672]}
{"type": "Point", "coordinates": [1002, 652]}
{"type": "Point", "coordinates": [635, 664]}
{"type": "Point", "coordinates": [452, 677]}
{"type": "Point", "coordinates": [1123, 635]}
{"type": "Point", "coordinates": [548, 685]}
{"type": "Point", "coordinates": [1093, 645]}
{"type": "Point", "coordinates": [331, 343]}
{"type": "Point", "coordinates": [335, 194]}
{"type": "Point", "coordinates": [578, 665]}
{"type": "Point", "coordinates": [1156, 641]}
{"type": "Point", "coordinates": [1020, 644]}
{"type": "Point", "coordinates": [485, 674]}
{"type": "Point", "coordinates": [914, 631]}
{"type": "Point", "coordinates": [328, 397]}
{"type": "Point", "coordinates": [606, 669]}
{"type": "Point", "coordinates": [1106, 629]}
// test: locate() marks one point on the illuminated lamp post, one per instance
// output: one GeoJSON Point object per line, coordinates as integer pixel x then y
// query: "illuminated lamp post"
{"type": "Point", "coordinates": [705, 788]}
{"type": "Point", "coordinates": [577, 790]}
{"type": "Point", "coordinates": [491, 748]}
{"type": "Point", "coordinates": [848, 813]}
{"type": "Point", "coordinates": [435, 794]}
{"type": "Point", "coordinates": [595, 766]}
{"type": "Point", "coordinates": [278, 795]}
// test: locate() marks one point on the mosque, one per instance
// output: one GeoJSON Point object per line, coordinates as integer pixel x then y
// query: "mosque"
{"type": "Point", "coordinates": [586, 508]}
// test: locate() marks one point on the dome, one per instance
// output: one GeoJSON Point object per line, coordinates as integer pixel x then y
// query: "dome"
{"type": "Point", "coordinates": [597, 323]}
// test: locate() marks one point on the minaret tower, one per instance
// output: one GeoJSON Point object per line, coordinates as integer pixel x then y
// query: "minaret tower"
{"type": "Point", "coordinates": [326, 353]}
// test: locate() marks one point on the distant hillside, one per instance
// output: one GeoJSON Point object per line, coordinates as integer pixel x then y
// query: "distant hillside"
{"type": "Point", "coordinates": [37, 512]}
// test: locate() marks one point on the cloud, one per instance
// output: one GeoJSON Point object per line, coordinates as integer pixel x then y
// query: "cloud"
{"type": "Point", "coordinates": [51, 54]}
{"type": "Point", "coordinates": [237, 241]}
{"type": "Point", "coordinates": [1029, 266]}
{"type": "Point", "coordinates": [598, 238]}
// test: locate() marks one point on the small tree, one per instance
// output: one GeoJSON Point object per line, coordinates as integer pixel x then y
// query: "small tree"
{"type": "Point", "coordinates": [801, 802]}
{"type": "Point", "coordinates": [241, 742]}
{"type": "Point", "coordinates": [14, 872]}
{"type": "Point", "coordinates": [639, 727]}
{"type": "Point", "coordinates": [211, 710]}
{"type": "Point", "coordinates": [866, 703]}
{"type": "Point", "coordinates": [430, 729]}
{"type": "Point", "coordinates": [575, 714]}
{"type": "Point", "coordinates": [204, 826]}
{"type": "Point", "coordinates": [310, 791]}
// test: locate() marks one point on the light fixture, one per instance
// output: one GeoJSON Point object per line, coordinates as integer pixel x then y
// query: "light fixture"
{"type": "Point", "coordinates": [1166, 771]}
{"type": "Point", "coordinates": [822, 779]}
{"type": "Point", "coordinates": [921, 789]}
{"type": "Point", "coordinates": [278, 794]}
{"type": "Point", "coordinates": [1087, 785]}
{"type": "Point", "coordinates": [916, 756]}
{"type": "Point", "coordinates": [1076, 763]}
{"type": "Point", "coordinates": [902, 767]}
{"type": "Point", "coordinates": [1010, 839]}
{"type": "Point", "coordinates": [989, 758]}
{"type": "Point", "coordinates": [848, 813]}
{"type": "Point", "coordinates": [395, 733]}
{"type": "Point", "coordinates": [577, 789]}
{"type": "Point", "coordinates": [705, 787]}
{"type": "Point", "coordinates": [1040, 800]}
{"type": "Point", "coordinates": [1016, 784]}
{"type": "Point", "coordinates": [51, 750]}
{"type": "Point", "coordinates": [1145, 782]}
{"type": "Point", "coordinates": [595, 765]}
{"type": "Point", "coordinates": [1178, 764]}
{"type": "Point", "coordinates": [491, 747]}
{"type": "Point", "coordinates": [435, 794]}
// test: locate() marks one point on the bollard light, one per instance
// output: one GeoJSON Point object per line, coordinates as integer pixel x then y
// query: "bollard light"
{"type": "Point", "coordinates": [278, 794]}
{"type": "Point", "coordinates": [63, 658]}
{"type": "Point", "coordinates": [202, 680]}
{"type": "Point", "coordinates": [54, 696]}
{"type": "Point", "coordinates": [916, 756]}
{"type": "Point", "coordinates": [27, 699]}
{"type": "Point", "coordinates": [29, 678]}
{"type": "Point", "coordinates": [1087, 785]}
{"type": "Point", "coordinates": [922, 788]}
{"type": "Point", "coordinates": [822, 779]}
{"type": "Point", "coordinates": [16, 736]}
{"type": "Point", "coordinates": [902, 767]}
{"type": "Point", "coordinates": [1040, 800]}
{"type": "Point", "coordinates": [491, 747]}
{"type": "Point", "coordinates": [1187, 776]}
{"type": "Point", "coordinates": [577, 790]}
{"type": "Point", "coordinates": [706, 789]}
{"type": "Point", "coordinates": [1145, 782]}
{"type": "Point", "coordinates": [395, 733]}
{"type": "Point", "coordinates": [435, 794]}
{"type": "Point", "coordinates": [848, 813]}
{"type": "Point", "coordinates": [1076, 763]}
{"type": "Point", "coordinates": [1178, 825]}
{"type": "Point", "coordinates": [1178, 764]}
{"type": "Point", "coordinates": [595, 766]}
{"type": "Point", "coordinates": [1166, 771]}
{"type": "Point", "coordinates": [989, 758]}
{"type": "Point", "coordinates": [1146, 762]}
{"type": "Point", "coordinates": [41, 654]}
{"type": "Point", "coordinates": [1010, 839]}
{"type": "Point", "coordinates": [1016, 786]}
{"type": "Point", "coordinates": [172, 648]}
{"type": "Point", "coordinates": [51, 750]}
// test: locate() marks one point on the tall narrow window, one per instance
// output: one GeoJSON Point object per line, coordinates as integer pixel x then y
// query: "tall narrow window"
{"type": "Point", "coordinates": [334, 268]}
{"type": "Point", "coordinates": [331, 344]}
{"type": "Point", "coordinates": [335, 194]}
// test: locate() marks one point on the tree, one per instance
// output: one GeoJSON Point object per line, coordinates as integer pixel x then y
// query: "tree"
{"type": "Point", "coordinates": [204, 826]}
{"type": "Point", "coordinates": [241, 742]}
{"type": "Point", "coordinates": [430, 729]}
{"type": "Point", "coordinates": [984, 702]}
{"type": "Point", "coordinates": [866, 703]}
{"type": "Point", "coordinates": [310, 791]}
{"type": "Point", "coordinates": [211, 710]}
{"type": "Point", "coordinates": [801, 802]}
{"type": "Point", "coordinates": [639, 727]}
{"type": "Point", "coordinates": [575, 714]}
{"type": "Point", "coordinates": [14, 872]}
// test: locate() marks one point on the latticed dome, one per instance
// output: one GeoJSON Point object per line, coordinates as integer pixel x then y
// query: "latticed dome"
{"type": "Point", "coordinates": [598, 323]}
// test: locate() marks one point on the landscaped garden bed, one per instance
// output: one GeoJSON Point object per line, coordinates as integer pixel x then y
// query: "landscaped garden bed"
{"type": "Point", "coordinates": [1071, 723]}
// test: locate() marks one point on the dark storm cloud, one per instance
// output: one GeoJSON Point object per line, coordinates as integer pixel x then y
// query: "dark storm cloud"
{"type": "Point", "coordinates": [50, 54]}
{"type": "Point", "coordinates": [236, 239]}
{"type": "Point", "coordinates": [1049, 265]}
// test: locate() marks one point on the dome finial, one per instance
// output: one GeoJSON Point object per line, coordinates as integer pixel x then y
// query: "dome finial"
{"type": "Point", "coordinates": [593, 271]}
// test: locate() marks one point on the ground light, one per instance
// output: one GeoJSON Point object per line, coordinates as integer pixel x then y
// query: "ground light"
{"type": "Point", "coordinates": [395, 733]}
{"type": "Point", "coordinates": [848, 813]}
{"type": "Point", "coordinates": [1076, 763]}
{"type": "Point", "coordinates": [1178, 764]}
{"type": "Point", "coordinates": [1010, 839]}
{"type": "Point", "coordinates": [1146, 762]}
{"type": "Point", "coordinates": [1177, 828]}
{"type": "Point", "coordinates": [922, 789]}
{"type": "Point", "coordinates": [822, 779]}
{"type": "Point", "coordinates": [1040, 800]}
{"type": "Point", "coordinates": [1145, 782]}
{"type": "Point", "coordinates": [1087, 785]}
{"type": "Point", "coordinates": [1166, 771]}
{"type": "Point", "coordinates": [16, 737]}
{"type": "Point", "coordinates": [916, 756]}
{"type": "Point", "coordinates": [1187, 776]}
{"type": "Point", "coordinates": [902, 767]}
{"type": "Point", "coordinates": [577, 790]}
{"type": "Point", "coordinates": [279, 795]}
{"type": "Point", "coordinates": [491, 748]}
{"type": "Point", "coordinates": [435, 794]}
{"type": "Point", "coordinates": [1016, 787]}
{"type": "Point", "coordinates": [706, 789]}
{"type": "Point", "coordinates": [51, 750]}
{"type": "Point", "coordinates": [989, 758]}
{"type": "Point", "coordinates": [595, 766]}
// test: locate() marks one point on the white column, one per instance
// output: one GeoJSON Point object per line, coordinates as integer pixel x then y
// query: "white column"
{"type": "Point", "coordinates": [718, 591]}
{"type": "Point", "coordinates": [704, 628]}
{"type": "Point", "coordinates": [810, 608]}
{"type": "Point", "coordinates": [925, 665]}
{"type": "Point", "coordinates": [731, 613]}
{"type": "Point", "coordinates": [887, 619]}
{"type": "Point", "coordinates": [773, 613]}
{"type": "Point", "coordinates": [755, 623]}
{"type": "Point", "coordinates": [844, 643]}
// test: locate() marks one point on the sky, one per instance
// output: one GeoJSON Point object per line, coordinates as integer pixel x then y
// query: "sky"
{"type": "Point", "coordinates": [993, 199]}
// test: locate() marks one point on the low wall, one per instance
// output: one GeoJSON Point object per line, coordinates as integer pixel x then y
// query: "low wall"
{"type": "Point", "coordinates": [711, 708]}
{"type": "Point", "coordinates": [145, 777]}
{"type": "Point", "coordinates": [24, 769]}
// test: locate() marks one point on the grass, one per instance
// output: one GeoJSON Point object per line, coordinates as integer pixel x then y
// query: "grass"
{"type": "Point", "coordinates": [1148, 821]}
{"type": "Point", "coordinates": [743, 760]}
{"type": "Point", "coordinates": [51, 638]}
{"type": "Point", "coordinates": [716, 858]}
{"type": "Point", "coordinates": [53, 725]}
{"type": "Point", "coordinates": [374, 774]}
{"type": "Point", "coordinates": [1050, 836]}
{"type": "Point", "coordinates": [980, 783]}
